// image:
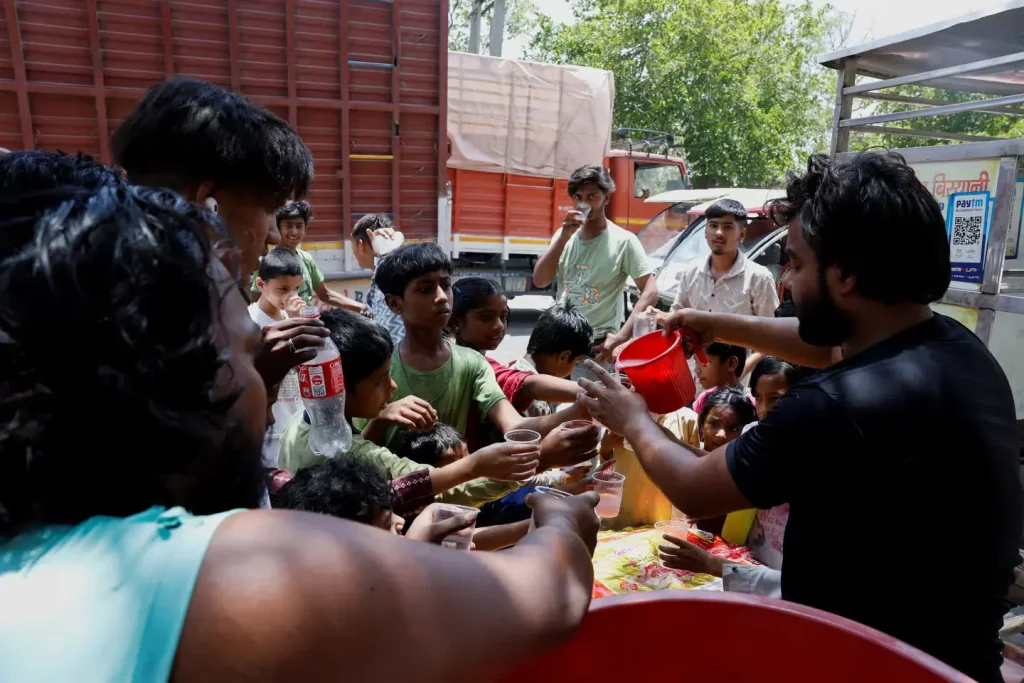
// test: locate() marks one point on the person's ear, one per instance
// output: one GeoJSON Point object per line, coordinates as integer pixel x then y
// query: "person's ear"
{"type": "Point", "coordinates": [838, 285]}
{"type": "Point", "coordinates": [204, 197]}
{"type": "Point", "coordinates": [394, 303]}
{"type": "Point", "coordinates": [566, 357]}
{"type": "Point", "coordinates": [261, 285]}
{"type": "Point", "coordinates": [732, 364]}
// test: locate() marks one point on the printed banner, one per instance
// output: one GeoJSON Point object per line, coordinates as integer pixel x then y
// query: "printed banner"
{"type": "Point", "coordinates": [974, 183]}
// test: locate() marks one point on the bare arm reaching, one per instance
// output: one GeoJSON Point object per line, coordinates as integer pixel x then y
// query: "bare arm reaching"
{"type": "Point", "coordinates": [454, 616]}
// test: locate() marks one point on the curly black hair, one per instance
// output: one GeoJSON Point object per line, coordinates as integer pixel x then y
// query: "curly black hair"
{"type": "Point", "coordinates": [30, 171]}
{"type": "Point", "coordinates": [427, 446]}
{"type": "Point", "coordinates": [349, 489]}
{"type": "Point", "coordinates": [109, 353]}
{"type": "Point", "coordinates": [186, 131]}
{"type": "Point", "coordinates": [845, 206]}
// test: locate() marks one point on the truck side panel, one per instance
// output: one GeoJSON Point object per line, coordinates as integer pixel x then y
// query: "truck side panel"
{"type": "Point", "coordinates": [361, 80]}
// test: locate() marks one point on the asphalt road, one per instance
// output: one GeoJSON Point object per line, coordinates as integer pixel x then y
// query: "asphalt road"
{"type": "Point", "coordinates": [524, 311]}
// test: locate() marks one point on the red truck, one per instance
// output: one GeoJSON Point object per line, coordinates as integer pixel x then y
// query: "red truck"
{"type": "Point", "coordinates": [365, 82]}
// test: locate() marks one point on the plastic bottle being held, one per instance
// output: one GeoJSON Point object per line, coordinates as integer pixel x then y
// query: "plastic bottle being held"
{"type": "Point", "coordinates": [322, 386]}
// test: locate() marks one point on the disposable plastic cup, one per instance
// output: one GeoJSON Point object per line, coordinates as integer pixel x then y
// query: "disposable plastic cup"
{"type": "Point", "coordinates": [460, 540]}
{"type": "Point", "coordinates": [523, 436]}
{"type": "Point", "coordinates": [557, 493]}
{"type": "Point", "coordinates": [578, 424]}
{"type": "Point", "coordinates": [609, 486]}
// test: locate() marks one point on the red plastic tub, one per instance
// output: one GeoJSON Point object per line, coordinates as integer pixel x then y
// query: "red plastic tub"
{"type": "Point", "coordinates": [698, 637]}
{"type": "Point", "coordinates": [656, 365]}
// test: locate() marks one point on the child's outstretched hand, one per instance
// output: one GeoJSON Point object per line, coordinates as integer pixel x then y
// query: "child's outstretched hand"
{"type": "Point", "coordinates": [410, 412]}
{"type": "Point", "coordinates": [424, 528]}
{"type": "Point", "coordinates": [689, 557]}
{"type": "Point", "coordinates": [506, 461]}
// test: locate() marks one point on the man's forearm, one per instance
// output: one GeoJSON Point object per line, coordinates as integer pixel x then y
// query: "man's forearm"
{"type": "Point", "coordinates": [665, 459]}
{"type": "Point", "coordinates": [771, 336]}
{"type": "Point", "coordinates": [648, 298]}
{"type": "Point", "coordinates": [547, 264]}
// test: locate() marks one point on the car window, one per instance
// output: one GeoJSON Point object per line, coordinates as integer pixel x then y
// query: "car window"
{"type": "Point", "coordinates": [651, 179]}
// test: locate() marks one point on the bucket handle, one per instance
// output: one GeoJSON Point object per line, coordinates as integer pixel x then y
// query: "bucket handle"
{"type": "Point", "coordinates": [698, 350]}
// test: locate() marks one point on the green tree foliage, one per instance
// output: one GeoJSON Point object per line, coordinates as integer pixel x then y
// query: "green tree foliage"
{"type": "Point", "coordinates": [967, 123]}
{"type": "Point", "coordinates": [735, 80]}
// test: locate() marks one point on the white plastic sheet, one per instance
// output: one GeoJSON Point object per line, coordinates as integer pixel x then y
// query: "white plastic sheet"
{"type": "Point", "coordinates": [510, 116]}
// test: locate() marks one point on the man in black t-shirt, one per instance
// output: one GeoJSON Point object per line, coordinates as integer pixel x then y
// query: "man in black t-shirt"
{"type": "Point", "coordinates": [889, 458]}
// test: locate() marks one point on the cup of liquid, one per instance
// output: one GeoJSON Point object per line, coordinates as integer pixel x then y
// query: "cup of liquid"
{"type": "Point", "coordinates": [460, 540]}
{"type": "Point", "coordinates": [523, 436]}
{"type": "Point", "coordinates": [609, 486]}
{"type": "Point", "coordinates": [583, 209]}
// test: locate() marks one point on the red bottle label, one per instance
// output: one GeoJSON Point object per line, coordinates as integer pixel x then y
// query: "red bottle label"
{"type": "Point", "coordinates": [321, 381]}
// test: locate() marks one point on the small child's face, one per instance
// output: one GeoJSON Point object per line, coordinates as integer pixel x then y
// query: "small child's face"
{"type": "Point", "coordinates": [483, 328]}
{"type": "Point", "coordinates": [388, 521]}
{"type": "Point", "coordinates": [769, 389]}
{"type": "Point", "coordinates": [370, 395]}
{"type": "Point", "coordinates": [717, 373]}
{"type": "Point", "coordinates": [293, 231]}
{"type": "Point", "coordinates": [426, 302]}
{"type": "Point", "coordinates": [280, 289]}
{"type": "Point", "coordinates": [560, 365]}
{"type": "Point", "coordinates": [720, 427]}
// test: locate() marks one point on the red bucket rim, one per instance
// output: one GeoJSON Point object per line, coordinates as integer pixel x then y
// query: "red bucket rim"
{"type": "Point", "coordinates": [677, 340]}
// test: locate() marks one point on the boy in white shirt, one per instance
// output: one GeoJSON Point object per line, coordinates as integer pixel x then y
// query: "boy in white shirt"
{"type": "Point", "coordinates": [278, 281]}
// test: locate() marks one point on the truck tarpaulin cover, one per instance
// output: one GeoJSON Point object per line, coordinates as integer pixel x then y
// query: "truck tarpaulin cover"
{"type": "Point", "coordinates": [509, 116]}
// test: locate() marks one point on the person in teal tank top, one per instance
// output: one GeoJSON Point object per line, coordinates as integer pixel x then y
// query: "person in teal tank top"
{"type": "Point", "coordinates": [129, 549]}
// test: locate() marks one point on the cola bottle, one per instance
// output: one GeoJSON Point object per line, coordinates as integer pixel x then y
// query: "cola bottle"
{"type": "Point", "coordinates": [322, 387]}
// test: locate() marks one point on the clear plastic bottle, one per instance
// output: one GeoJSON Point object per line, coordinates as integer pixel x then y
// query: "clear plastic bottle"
{"type": "Point", "coordinates": [322, 386]}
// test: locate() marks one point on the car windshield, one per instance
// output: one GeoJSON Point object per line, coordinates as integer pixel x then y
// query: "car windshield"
{"type": "Point", "coordinates": [695, 247]}
{"type": "Point", "coordinates": [659, 234]}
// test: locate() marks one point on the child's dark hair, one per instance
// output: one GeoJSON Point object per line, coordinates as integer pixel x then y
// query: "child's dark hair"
{"type": "Point", "coordinates": [23, 173]}
{"type": "Point", "coordinates": [591, 175]}
{"type": "Point", "coordinates": [770, 365]}
{"type": "Point", "coordinates": [363, 344]}
{"type": "Point", "coordinates": [724, 352]}
{"type": "Point", "coordinates": [185, 132]}
{"type": "Point", "coordinates": [561, 328]}
{"type": "Point", "coordinates": [300, 209]}
{"type": "Point", "coordinates": [732, 397]}
{"type": "Point", "coordinates": [473, 292]}
{"type": "Point", "coordinates": [427, 447]}
{"type": "Point", "coordinates": [349, 489]}
{"type": "Point", "coordinates": [371, 221]}
{"type": "Point", "coordinates": [280, 262]}
{"type": "Point", "coordinates": [727, 207]}
{"type": "Point", "coordinates": [396, 270]}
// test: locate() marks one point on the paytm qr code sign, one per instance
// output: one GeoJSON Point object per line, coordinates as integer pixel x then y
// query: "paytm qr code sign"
{"type": "Point", "coordinates": [967, 227]}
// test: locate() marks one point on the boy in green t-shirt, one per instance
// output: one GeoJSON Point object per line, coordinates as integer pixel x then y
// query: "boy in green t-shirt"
{"type": "Point", "coordinates": [416, 280]}
{"type": "Point", "coordinates": [292, 220]}
{"type": "Point", "coordinates": [366, 350]}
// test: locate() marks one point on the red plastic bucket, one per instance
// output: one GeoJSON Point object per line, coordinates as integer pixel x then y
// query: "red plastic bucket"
{"type": "Point", "coordinates": [704, 637]}
{"type": "Point", "coordinates": [657, 367]}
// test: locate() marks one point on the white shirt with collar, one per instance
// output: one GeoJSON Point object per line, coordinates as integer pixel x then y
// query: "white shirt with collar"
{"type": "Point", "coordinates": [747, 289]}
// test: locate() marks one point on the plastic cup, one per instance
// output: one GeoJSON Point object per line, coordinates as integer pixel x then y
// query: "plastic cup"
{"type": "Point", "coordinates": [460, 540]}
{"type": "Point", "coordinates": [609, 486]}
{"type": "Point", "coordinates": [523, 436]}
{"type": "Point", "coordinates": [578, 424]}
{"type": "Point", "coordinates": [557, 493]}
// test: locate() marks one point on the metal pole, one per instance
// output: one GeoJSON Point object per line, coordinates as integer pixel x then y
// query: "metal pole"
{"type": "Point", "coordinates": [497, 27]}
{"type": "Point", "coordinates": [846, 76]}
{"type": "Point", "coordinates": [474, 27]}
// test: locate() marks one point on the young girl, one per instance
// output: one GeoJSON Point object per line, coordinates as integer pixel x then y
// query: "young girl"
{"type": "Point", "coordinates": [770, 380]}
{"type": "Point", "coordinates": [722, 418]}
{"type": "Point", "coordinates": [478, 321]}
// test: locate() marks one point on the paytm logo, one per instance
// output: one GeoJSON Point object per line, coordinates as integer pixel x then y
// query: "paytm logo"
{"type": "Point", "coordinates": [970, 203]}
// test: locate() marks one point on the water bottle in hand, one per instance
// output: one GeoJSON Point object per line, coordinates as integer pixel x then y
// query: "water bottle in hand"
{"type": "Point", "coordinates": [322, 386]}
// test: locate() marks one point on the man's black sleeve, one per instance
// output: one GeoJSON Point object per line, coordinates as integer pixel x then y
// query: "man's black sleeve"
{"type": "Point", "coordinates": [799, 445]}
